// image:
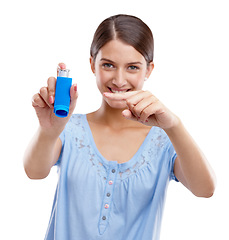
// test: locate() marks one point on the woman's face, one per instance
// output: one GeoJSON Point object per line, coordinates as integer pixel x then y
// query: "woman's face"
{"type": "Point", "coordinates": [119, 67]}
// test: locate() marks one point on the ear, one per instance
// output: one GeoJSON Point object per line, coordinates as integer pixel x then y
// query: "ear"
{"type": "Point", "coordinates": [92, 64]}
{"type": "Point", "coordinates": [149, 70]}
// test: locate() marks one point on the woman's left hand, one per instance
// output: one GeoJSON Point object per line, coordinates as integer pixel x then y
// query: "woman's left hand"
{"type": "Point", "coordinates": [144, 107]}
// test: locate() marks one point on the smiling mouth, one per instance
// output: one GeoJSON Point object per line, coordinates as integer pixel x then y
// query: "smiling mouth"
{"type": "Point", "coordinates": [118, 91]}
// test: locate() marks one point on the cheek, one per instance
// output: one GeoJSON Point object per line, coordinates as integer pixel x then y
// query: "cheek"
{"type": "Point", "coordinates": [138, 81]}
{"type": "Point", "coordinates": [102, 77]}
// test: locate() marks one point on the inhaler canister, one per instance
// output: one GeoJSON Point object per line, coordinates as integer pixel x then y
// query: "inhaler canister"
{"type": "Point", "coordinates": [62, 95]}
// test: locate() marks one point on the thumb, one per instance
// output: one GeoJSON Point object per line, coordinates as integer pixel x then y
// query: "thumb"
{"type": "Point", "coordinates": [128, 115]}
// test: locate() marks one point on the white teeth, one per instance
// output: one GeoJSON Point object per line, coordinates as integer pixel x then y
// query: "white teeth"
{"type": "Point", "coordinates": [114, 91]}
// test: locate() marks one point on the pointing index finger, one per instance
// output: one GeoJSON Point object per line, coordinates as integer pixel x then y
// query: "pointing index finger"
{"type": "Point", "coordinates": [60, 66]}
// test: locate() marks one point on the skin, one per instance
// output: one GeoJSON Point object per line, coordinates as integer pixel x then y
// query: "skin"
{"type": "Point", "coordinates": [126, 115]}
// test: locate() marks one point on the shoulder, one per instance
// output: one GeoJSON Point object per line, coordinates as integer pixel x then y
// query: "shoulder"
{"type": "Point", "coordinates": [76, 119]}
{"type": "Point", "coordinates": [159, 137]}
{"type": "Point", "coordinates": [158, 144]}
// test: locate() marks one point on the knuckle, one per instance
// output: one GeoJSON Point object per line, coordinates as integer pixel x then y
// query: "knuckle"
{"type": "Point", "coordinates": [35, 100]}
{"type": "Point", "coordinates": [35, 97]}
{"type": "Point", "coordinates": [145, 113]}
{"type": "Point", "coordinates": [128, 101]}
{"type": "Point", "coordinates": [136, 112]}
{"type": "Point", "coordinates": [154, 98]}
{"type": "Point", "coordinates": [149, 94]}
{"type": "Point", "coordinates": [43, 90]}
{"type": "Point", "coordinates": [51, 85]}
{"type": "Point", "coordinates": [156, 101]}
{"type": "Point", "coordinates": [51, 80]}
{"type": "Point", "coordinates": [51, 92]}
{"type": "Point", "coordinates": [137, 109]}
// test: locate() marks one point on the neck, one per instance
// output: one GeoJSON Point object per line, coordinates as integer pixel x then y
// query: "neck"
{"type": "Point", "coordinates": [111, 117]}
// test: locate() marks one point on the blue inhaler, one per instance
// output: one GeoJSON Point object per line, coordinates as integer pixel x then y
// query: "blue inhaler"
{"type": "Point", "coordinates": [62, 95]}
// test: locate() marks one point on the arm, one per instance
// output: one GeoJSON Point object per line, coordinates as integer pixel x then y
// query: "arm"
{"type": "Point", "coordinates": [42, 153]}
{"type": "Point", "coordinates": [191, 167]}
{"type": "Point", "coordinates": [45, 147]}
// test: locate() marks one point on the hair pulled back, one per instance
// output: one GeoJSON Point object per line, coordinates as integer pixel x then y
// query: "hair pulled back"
{"type": "Point", "coordinates": [128, 29]}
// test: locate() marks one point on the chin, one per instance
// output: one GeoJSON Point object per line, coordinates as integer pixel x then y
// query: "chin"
{"type": "Point", "coordinates": [117, 105]}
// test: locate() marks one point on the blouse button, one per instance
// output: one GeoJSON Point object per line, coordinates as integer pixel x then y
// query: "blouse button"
{"type": "Point", "coordinates": [104, 218]}
{"type": "Point", "coordinates": [108, 194]}
{"type": "Point", "coordinates": [106, 206]}
{"type": "Point", "coordinates": [110, 182]}
{"type": "Point", "coordinates": [113, 170]}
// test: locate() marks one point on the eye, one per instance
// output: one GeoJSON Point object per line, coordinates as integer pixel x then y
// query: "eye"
{"type": "Point", "coordinates": [107, 65]}
{"type": "Point", "coordinates": [133, 68]}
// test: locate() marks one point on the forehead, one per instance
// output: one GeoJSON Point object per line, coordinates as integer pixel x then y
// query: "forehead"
{"type": "Point", "coordinates": [118, 51]}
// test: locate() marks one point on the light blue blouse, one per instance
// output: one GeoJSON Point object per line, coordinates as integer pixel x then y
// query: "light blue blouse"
{"type": "Point", "coordinates": [97, 199]}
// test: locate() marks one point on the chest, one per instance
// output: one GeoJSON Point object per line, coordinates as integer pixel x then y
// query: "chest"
{"type": "Point", "coordinates": [118, 145]}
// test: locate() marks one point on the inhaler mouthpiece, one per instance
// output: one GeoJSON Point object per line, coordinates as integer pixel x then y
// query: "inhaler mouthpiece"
{"type": "Point", "coordinates": [63, 73]}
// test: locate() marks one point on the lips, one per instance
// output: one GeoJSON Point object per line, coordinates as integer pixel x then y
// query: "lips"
{"type": "Point", "coordinates": [118, 90]}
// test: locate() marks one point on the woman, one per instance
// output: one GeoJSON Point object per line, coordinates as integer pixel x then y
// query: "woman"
{"type": "Point", "coordinates": [115, 163]}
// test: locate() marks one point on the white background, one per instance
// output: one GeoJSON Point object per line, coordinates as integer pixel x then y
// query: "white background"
{"type": "Point", "coordinates": [190, 77]}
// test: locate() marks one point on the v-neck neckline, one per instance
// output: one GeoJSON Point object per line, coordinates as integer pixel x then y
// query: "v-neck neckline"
{"type": "Point", "coordinates": [123, 165]}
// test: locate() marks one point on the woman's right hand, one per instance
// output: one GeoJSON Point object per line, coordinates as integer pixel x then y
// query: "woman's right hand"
{"type": "Point", "coordinates": [43, 103]}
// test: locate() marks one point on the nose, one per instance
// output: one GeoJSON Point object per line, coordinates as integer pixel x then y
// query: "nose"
{"type": "Point", "coordinates": [119, 79]}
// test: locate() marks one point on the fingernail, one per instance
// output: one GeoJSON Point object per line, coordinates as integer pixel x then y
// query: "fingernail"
{"type": "Point", "coordinates": [75, 87]}
{"type": "Point", "coordinates": [107, 94]}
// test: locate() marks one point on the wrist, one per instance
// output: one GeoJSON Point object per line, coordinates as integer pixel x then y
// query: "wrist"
{"type": "Point", "coordinates": [175, 127]}
{"type": "Point", "coordinates": [50, 136]}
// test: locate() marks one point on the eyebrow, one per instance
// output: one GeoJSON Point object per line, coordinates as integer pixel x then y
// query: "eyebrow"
{"type": "Point", "coordinates": [108, 60]}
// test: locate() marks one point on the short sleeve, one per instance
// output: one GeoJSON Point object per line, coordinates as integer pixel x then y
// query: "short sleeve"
{"type": "Point", "coordinates": [62, 137]}
{"type": "Point", "coordinates": [172, 157]}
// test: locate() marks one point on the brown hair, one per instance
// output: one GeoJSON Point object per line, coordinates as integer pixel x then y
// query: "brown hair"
{"type": "Point", "coordinates": [130, 30]}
